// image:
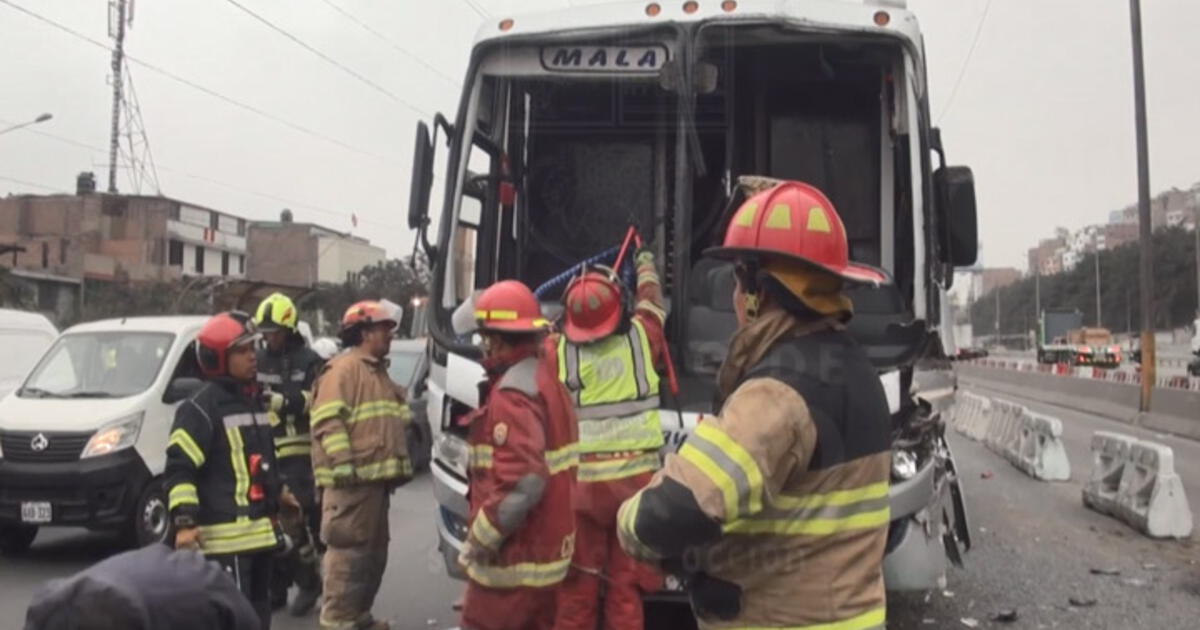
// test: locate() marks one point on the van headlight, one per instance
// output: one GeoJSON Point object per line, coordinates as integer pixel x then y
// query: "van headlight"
{"type": "Point", "coordinates": [116, 435]}
{"type": "Point", "coordinates": [904, 464]}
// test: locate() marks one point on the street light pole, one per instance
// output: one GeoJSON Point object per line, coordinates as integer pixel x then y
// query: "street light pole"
{"type": "Point", "coordinates": [1149, 356]}
{"type": "Point", "coordinates": [40, 119]}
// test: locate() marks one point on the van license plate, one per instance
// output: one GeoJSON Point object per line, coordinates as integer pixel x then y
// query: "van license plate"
{"type": "Point", "coordinates": [35, 512]}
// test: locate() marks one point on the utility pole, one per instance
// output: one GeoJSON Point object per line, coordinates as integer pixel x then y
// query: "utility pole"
{"type": "Point", "coordinates": [997, 292]}
{"type": "Point", "coordinates": [1096, 256]}
{"type": "Point", "coordinates": [1149, 356]}
{"type": "Point", "coordinates": [116, 30]}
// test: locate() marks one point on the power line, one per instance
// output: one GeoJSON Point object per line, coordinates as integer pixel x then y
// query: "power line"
{"type": "Point", "coordinates": [31, 184]}
{"type": "Point", "coordinates": [478, 9]}
{"type": "Point", "coordinates": [196, 86]}
{"type": "Point", "coordinates": [334, 62]}
{"type": "Point", "coordinates": [962, 72]}
{"type": "Point", "coordinates": [217, 182]}
{"type": "Point", "coordinates": [384, 38]}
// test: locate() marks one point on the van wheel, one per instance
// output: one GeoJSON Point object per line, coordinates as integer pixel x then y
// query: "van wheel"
{"type": "Point", "coordinates": [16, 539]}
{"type": "Point", "coordinates": [150, 517]}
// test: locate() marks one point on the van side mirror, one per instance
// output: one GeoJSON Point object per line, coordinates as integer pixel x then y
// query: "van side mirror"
{"type": "Point", "coordinates": [422, 178]}
{"type": "Point", "coordinates": [181, 389]}
{"type": "Point", "coordinates": [954, 187]}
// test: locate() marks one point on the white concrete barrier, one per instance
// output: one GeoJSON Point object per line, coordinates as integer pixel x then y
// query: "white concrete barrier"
{"type": "Point", "coordinates": [1110, 453]}
{"type": "Point", "coordinates": [1043, 455]}
{"type": "Point", "coordinates": [1032, 442]}
{"type": "Point", "coordinates": [1151, 497]}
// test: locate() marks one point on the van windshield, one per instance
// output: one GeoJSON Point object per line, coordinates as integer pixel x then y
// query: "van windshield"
{"type": "Point", "coordinates": [98, 365]}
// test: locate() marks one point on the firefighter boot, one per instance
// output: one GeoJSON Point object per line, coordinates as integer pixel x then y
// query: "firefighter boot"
{"type": "Point", "coordinates": [308, 578]}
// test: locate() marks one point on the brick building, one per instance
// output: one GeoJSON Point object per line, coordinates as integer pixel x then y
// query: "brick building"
{"type": "Point", "coordinates": [94, 236]}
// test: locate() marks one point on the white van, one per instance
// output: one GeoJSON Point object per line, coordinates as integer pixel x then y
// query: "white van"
{"type": "Point", "coordinates": [24, 337]}
{"type": "Point", "coordinates": [83, 440]}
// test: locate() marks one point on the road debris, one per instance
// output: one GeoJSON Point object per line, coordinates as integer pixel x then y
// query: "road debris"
{"type": "Point", "coordinates": [987, 474]}
{"type": "Point", "coordinates": [970, 622]}
{"type": "Point", "coordinates": [1105, 571]}
{"type": "Point", "coordinates": [1007, 615]}
{"type": "Point", "coordinates": [1082, 602]}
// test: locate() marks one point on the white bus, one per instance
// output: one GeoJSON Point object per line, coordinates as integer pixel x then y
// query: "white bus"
{"type": "Point", "coordinates": [575, 124]}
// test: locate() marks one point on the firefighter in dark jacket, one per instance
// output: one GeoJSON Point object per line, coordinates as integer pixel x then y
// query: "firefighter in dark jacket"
{"type": "Point", "coordinates": [223, 489]}
{"type": "Point", "coordinates": [287, 368]}
{"type": "Point", "coordinates": [776, 510]}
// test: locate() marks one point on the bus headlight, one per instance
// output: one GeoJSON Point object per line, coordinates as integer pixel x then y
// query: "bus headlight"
{"type": "Point", "coordinates": [904, 465]}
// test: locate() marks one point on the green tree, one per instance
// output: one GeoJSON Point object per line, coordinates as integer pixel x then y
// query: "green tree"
{"type": "Point", "coordinates": [1175, 303]}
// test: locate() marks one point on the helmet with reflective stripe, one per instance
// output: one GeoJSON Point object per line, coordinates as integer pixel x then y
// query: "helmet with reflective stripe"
{"type": "Point", "coordinates": [509, 306]}
{"type": "Point", "coordinates": [796, 223]}
{"type": "Point", "coordinates": [277, 312]}
{"type": "Point", "coordinates": [595, 303]}
{"type": "Point", "coordinates": [219, 334]}
{"type": "Point", "coordinates": [368, 312]}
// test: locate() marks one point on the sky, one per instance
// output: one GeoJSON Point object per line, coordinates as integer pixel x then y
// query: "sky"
{"type": "Point", "coordinates": [1043, 112]}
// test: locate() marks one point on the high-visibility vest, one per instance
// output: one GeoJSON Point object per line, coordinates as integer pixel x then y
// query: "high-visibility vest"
{"type": "Point", "coordinates": [614, 386]}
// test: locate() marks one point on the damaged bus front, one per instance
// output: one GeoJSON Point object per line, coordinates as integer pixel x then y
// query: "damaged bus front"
{"type": "Point", "coordinates": [576, 124]}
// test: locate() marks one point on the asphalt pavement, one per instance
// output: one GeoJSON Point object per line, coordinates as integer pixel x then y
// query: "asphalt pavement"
{"type": "Point", "coordinates": [416, 594]}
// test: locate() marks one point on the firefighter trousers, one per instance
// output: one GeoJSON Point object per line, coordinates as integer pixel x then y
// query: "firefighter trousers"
{"type": "Point", "coordinates": [522, 608]}
{"type": "Point", "coordinates": [354, 526]}
{"type": "Point", "coordinates": [600, 567]}
{"type": "Point", "coordinates": [252, 574]}
{"type": "Point", "coordinates": [302, 566]}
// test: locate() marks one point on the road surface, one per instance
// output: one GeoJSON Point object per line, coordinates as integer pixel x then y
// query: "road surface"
{"type": "Point", "coordinates": [416, 593]}
{"type": "Point", "coordinates": [1035, 549]}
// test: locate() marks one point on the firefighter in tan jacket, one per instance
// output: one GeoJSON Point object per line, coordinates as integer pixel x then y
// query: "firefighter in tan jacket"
{"type": "Point", "coordinates": [776, 511]}
{"type": "Point", "coordinates": [359, 457]}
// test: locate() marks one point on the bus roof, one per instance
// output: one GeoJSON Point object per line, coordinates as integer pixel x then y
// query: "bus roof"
{"type": "Point", "coordinates": [854, 15]}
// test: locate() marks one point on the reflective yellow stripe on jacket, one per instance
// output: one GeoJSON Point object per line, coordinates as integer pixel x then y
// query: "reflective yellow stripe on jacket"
{"type": "Point", "coordinates": [533, 574]}
{"type": "Point", "coordinates": [871, 620]}
{"type": "Point", "coordinates": [299, 445]}
{"type": "Point", "coordinates": [182, 494]}
{"type": "Point", "coordinates": [326, 476]}
{"type": "Point", "coordinates": [728, 466]}
{"type": "Point", "coordinates": [482, 457]}
{"type": "Point", "coordinates": [238, 536]}
{"type": "Point", "coordinates": [615, 390]}
{"type": "Point", "coordinates": [820, 514]}
{"type": "Point", "coordinates": [611, 469]}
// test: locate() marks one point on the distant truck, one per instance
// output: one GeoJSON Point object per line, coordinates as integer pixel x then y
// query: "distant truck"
{"type": "Point", "coordinates": [1062, 338]}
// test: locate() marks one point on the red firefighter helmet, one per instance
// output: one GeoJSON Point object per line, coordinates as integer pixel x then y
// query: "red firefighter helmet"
{"type": "Point", "coordinates": [595, 305]}
{"type": "Point", "coordinates": [509, 306]}
{"type": "Point", "coordinates": [219, 334]}
{"type": "Point", "coordinates": [368, 312]}
{"type": "Point", "coordinates": [795, 222]}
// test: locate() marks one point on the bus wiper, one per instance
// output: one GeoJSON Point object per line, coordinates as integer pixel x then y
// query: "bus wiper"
{"type": "Point", "coordinates": [89, 394]}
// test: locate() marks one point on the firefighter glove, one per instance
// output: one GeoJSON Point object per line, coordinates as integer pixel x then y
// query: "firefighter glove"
{"type": "Point", "coordinates": [474, 553]}
{"type": "Point", "coordinates": [644, 256]}
{"type": "Point", "coordinates": [273, 400]}
{"type": "Point", "coordinates": [188, 538]}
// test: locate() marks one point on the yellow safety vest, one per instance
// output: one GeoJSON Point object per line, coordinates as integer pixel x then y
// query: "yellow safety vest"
{"type": "Point", "coordinates": [615, 390]}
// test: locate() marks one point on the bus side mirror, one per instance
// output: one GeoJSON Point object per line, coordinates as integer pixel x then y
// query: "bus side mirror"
{"type": "Point", "coordinates": [422, 178]}
{"type": "Point", "coordinates": [955, 190]}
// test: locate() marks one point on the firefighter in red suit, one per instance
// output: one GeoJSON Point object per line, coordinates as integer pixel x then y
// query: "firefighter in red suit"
{"type": "Point", "coordinates": [607, 357]}
{"type": "Point", "coordinates": [523, 462]}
